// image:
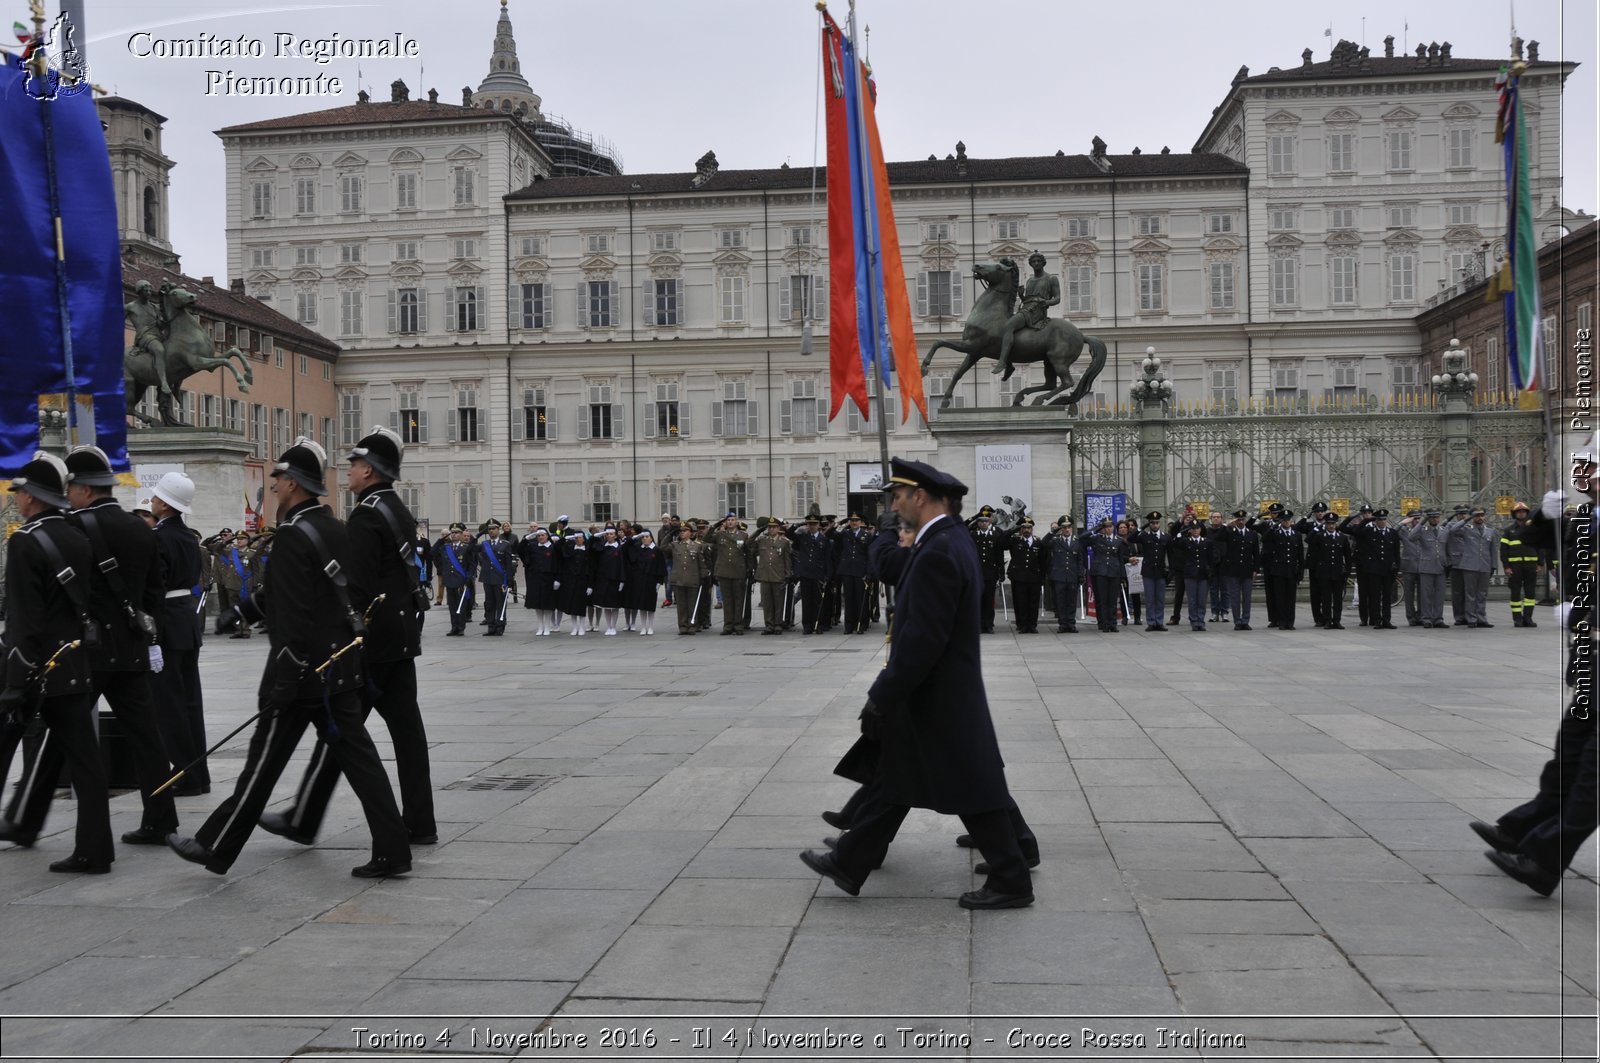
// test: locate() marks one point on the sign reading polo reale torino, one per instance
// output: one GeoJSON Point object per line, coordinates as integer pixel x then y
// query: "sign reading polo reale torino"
{"type": "Point", "coordinates": [1004, 481]}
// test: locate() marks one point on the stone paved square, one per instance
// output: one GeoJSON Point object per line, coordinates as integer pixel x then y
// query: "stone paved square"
{"type": "Point", "coordinates": [1252, 833]}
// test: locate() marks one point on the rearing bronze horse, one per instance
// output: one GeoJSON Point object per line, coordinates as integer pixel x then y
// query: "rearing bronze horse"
{"type": "Point", "coordinates": [1057, 345]}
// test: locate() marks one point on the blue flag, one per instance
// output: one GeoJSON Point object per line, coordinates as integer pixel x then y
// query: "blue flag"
{"type": "Point", "coordinates": [53, 150]}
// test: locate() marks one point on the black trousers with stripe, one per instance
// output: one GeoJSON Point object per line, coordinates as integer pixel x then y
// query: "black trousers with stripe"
{"type": "Point", "coordinates": [68, 739]}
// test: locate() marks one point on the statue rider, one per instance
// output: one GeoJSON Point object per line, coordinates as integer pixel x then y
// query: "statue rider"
{"type": "Point", "coordinates": [149, 320]}
{"type": "Point", "coordinates": [1041, 292]}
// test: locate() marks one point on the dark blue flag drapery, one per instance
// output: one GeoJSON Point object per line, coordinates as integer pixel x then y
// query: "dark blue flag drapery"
{"type": "Point", "coordinates": [34, 341]}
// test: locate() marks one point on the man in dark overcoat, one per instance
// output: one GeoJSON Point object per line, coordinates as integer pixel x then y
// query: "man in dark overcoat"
{"type": "Point", "coordinates": [927, 709]}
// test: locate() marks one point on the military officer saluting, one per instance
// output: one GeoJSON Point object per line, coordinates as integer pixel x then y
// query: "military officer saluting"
{"type": "Point", "coordinates": [991, 561]}
{"type": "Point", "coordinates": [1108, 556]}
{"type": "Point", "coordinates": [1377, 564]}
{"type": "Point", "coordinates": [1282, 560]}
{"type": "Point", "coordinates": [811, 550]}
{"type": "Point", "coordinates": [1329, 553]}
{"type": "Point", "coordinates": [454, 561]}
{"type": "Point", "coordinates": [850, 546]}
{"type": "Point", "coordinates": [1026, 572]}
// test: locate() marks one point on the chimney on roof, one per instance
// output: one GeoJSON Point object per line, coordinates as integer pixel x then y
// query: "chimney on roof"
{"type": "Point", "coordinates": [1433, 54]}
{"type": "Point", "coordinates": [466, 96]}
{"type": "Point", "coordinates": [1060, 154]}
{"type": "Point", "coordinates": [1422, 54]}
{"type": "Point", "coordinates": [1243, 73]}
{"type": "Point", "coordinates": [1097, 148]}
{"type": "Point", "coordinates": [1136, 150]}
{"type": "Point", "coordinates": [236, 286]}
{"type": "Point", "coordinates": [209, 282]}
{"type": "Point", "coordinates": [398, 92]}
{"type": "Point", "coordinates": [1165, 150]}
{"type": "Point", "coordinates": [961, 158]}
{"type": "Point", "coordinates": [1305, 57]}
{"type": "Point", "coordinates": [1388, 47]}
{"type": "Point", "coordinates": [1444, 53]}
{"type": "Point", "coordinates": [433, 95]}
{"type": "Point", "coordinates": [1366, 57]}
{"type": "Point", "coordinates": [1533, 51]}
{"type": "Point", "coordinates": [705, 167]}
{"type": "Point", "coordinates": [362, 97]}
{"type": "Point", "coordinates": [1516, 47]}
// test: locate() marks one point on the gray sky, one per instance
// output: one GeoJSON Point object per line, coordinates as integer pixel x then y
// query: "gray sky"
{"type": "Point", "coordinates": [666, 81]}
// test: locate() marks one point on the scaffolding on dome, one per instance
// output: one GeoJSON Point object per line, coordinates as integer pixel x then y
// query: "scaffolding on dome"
{"type": "Point", "coordinates": [574, 152]}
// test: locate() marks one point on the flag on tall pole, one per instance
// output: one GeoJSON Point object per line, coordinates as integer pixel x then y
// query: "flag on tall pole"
{"type": "Point", "coordinates": [871, 311]}
{"type": "Point", "coordinates": [1517, 281]}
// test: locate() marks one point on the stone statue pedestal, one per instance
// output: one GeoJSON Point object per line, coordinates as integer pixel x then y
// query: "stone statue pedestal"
{"type": "Point", "coordinates": [1045, 430]}
{"type": "Point", "coordinates": [212, 457]}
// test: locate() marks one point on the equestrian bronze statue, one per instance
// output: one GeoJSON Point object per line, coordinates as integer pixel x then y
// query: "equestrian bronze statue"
{"type": "Point", "coordinates": [1036, 338]}
{"type": "Point", "coordinates": [169, 346]}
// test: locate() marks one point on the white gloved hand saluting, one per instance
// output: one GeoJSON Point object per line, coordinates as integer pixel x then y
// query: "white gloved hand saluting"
{"type": "Point", "coordinates": [157, 661]}
{"type": "Point", "coordinates": [556, 585]}
{"type": "Point", "coordinates": [1553, 504]}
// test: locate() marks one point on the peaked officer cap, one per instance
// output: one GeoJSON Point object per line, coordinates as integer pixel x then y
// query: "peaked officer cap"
{"type": "Point", "coordinates": [45, 478]}
{"type": "Point", "coordinates": [906, 473]}
{"type": "Point", "coordinates": [304, 463]}
{"type": "Point", "coordinates": [382, 449]}
{"type": "Point", "coordinates": [1319, 507]}
{"type": "Point", "coordinates": [90, 467]}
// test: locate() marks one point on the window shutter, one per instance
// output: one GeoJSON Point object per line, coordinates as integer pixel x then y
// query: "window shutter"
{"type": "Point", "coordinates": [519, 422]}
{"type": "Point", "coordinates": [647, 420]}
{"type": "Point", "coordinates": [852, 420]}
{"type": "Point", "coordinates": [722, 499]}
{"type": "Point", "coordinates": [785, 416]}
{"type": "Point", "coordinates": [588, 512]}
{"type": "Point", "coordinates": [922, 293]}
{"type": "Point", "coordinates": [393, 297]}
{"type": "Point", "coordinates": [616, 306]}
{"type": "Point", "coordinates": [716, 418]}
{"type": "Point", "coordinates": [422, 426]}
{"type": "Point", "coordinates": [394, 420]}
{"type": "Point", "coordinates": [819, 297]}
{"type": "Point", "coordinates": [449, 309]}
{"type": "Point", "coordinates": [957, 304]}
{"type": "Point", "coordinates": [583, 421]}
{"type": "Point", "coordinates": [822, 415]}
{"type": "Point", "coordinates": [451, 419]}
{"type": "Point", "coordinates": [483, 308]}
{"type": "Point", "coordinates": [483, 425]}
{"type": "Point", "coordinates": [583, 304]}
{"type": "Point", "coordinates": [890, 414]}
{"type": "Point", "coordinates": [618, 420]}
{"type": "Point", "coordinates": [755, 411]}
{"type": "Point", "coordinates": [683, 416]}
{"type": "Point", "coordinates": [422, 310]}
{"type": "Point", "coordinates": [785, 303]}
{"type": "Point", "coordinates": [550, 422]}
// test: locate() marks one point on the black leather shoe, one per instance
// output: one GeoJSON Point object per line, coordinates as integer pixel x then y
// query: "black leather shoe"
{"type": "Point", "coordinates": [78, 865]}
{"type": "Point", "coordinates": [836, 820]}
{"type": "Point", "coordinates": [982, 866]}
{"type": "Point", "coordinates": [381, 867]}
{"type": "Point", "coordinates": [1484, 623]}
{"type": "Point", "coordinates": [1529, 623]}
{"type": "Point", "coordinates": [1525, 870]}
{"type": "Point", "coordinates": [987, 899]}
{"type": "Point", "coordinates": [1491, 833]}
{"type": "Point", "coordinates": [191, 850]}
{"type": "Point", "coordinates": [424, 839]}
{"type": "Point", "coordinates": [145, 836]}
{"type": "Point", "coordinates": [825, 865]}
{"type": "Point", "coordinates": [278, 823]}
{"type": "Point", "coordinates": [189, 790]}
{"type": "Point", "coordinates": [1335, 627]}
{"type": "Point", "coordinates": [10, 832]}
{"type": "Point", "coordinates": [965, 841]}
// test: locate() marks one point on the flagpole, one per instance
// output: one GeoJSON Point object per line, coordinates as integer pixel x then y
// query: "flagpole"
{"type": "Point", "coordinates": [872, 258]}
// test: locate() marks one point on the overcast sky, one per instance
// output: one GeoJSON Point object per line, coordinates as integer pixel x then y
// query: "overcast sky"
{"type": "Point", "coordinates": [667, 80]}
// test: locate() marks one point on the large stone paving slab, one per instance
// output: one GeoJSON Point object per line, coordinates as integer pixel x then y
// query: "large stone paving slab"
{"type": "Point", "coordinates": [1224, 838]}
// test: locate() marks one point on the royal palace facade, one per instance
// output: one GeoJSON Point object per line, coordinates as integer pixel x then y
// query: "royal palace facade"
{"type": "Point", "coordinates": [616, 344]}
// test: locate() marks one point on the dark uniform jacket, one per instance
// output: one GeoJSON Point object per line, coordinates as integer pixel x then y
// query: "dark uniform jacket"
{"type": "Point", "coordinates": [1063, 558]}
{"type": "Point", "coordinates": [129, 540]}
{"type": "Point", "coordinates": [850, 552]}
{"type": "Point", "coordinates": [306, 624]}
{"type": "Point", "coordinates": [1195, 557]}
{"type": "Point", "coordinates": [488, 574]}
{"type": "Point", "coordinates": [1240, 551]}
{"type": "Point", "coordinates": [1027, 559]}
{"type": "Point", "coordinates": [991, 553]}
{"type": "Point", "coordinates": [812, 554]}
{"type": "Point", "coordinates": [939, 749]}
{"type": "Point", "coordinates": [1329, 554]}
{"type": "Point", "coordinates": [1153, 544]}
{"type": "Point", "coordinates": [1282, 552]}
{"type": "Point", "coordinates": [377, 567]}
{"type": "Point", "coordinates": [1108, 555]}
{"type": "Point", "coordinates": [178, 557]}
{"type": "Point", "coordinates": [462, 553]}
{"type": "Point", "coordinates": [1377, 549]}
{"type": "Point", "coordinates": [40, 616]}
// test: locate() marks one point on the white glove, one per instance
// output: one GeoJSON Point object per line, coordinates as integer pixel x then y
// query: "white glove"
{"type": "Point", "coordinates": [157, 662]}
{"type": "Point", "coordinates": [556, 585]}
{"type": "Point", "coordinates": [588, 592]}
{"type": "Point", "coordinates": [619, 586]}
{"type": "Point", "coordinates": [1553, 505]}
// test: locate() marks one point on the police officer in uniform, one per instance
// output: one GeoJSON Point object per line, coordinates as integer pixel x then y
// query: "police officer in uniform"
{"type": "Point", "coordinates": [1026, 573]}
{"type": "Point", "coordinates": [1240, 553]}
{"type": "Point", "coordinates": [991, 560]}
{"type": "Point", "coordinates": [1064, 565]}
{"type": "Point", "coordinates": [1377, 564]}
{"type": "Point", "coordinates": [380, 528]}
{"type": "Point", "coordinates": [1314, 523]}
{"type": "Point", "coordinates": [1282, 560]}
{"type": "Point", "coordinates": [852, 570]}
{"type": "Point", "coordinates": [811, 549]}
{"type": "Point", "coordinates": [125, 597]}
{"type": "Point", "coordinates": [1329, 554]}
{"type": "Point", "coordinates": [47, 602]}
{"type": "Point", "coordinates": [455, 565]}
{"type": "Point", "coordinates": [497, 571]}
{"type": "Point", "coordinates": [1108, 558]}
{"type": "Point", "coordinates": [1194, 560]}
{"type": "Point", "coordinates": [180, 702]}
{"type": "Point", "coordinates": [1153, 543]}
{"type": "Point", "coordinates": [310, 620]}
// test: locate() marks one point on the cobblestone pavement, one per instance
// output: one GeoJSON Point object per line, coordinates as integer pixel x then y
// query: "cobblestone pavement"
{"type": "Point", "coordinates": [1255, 841]}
